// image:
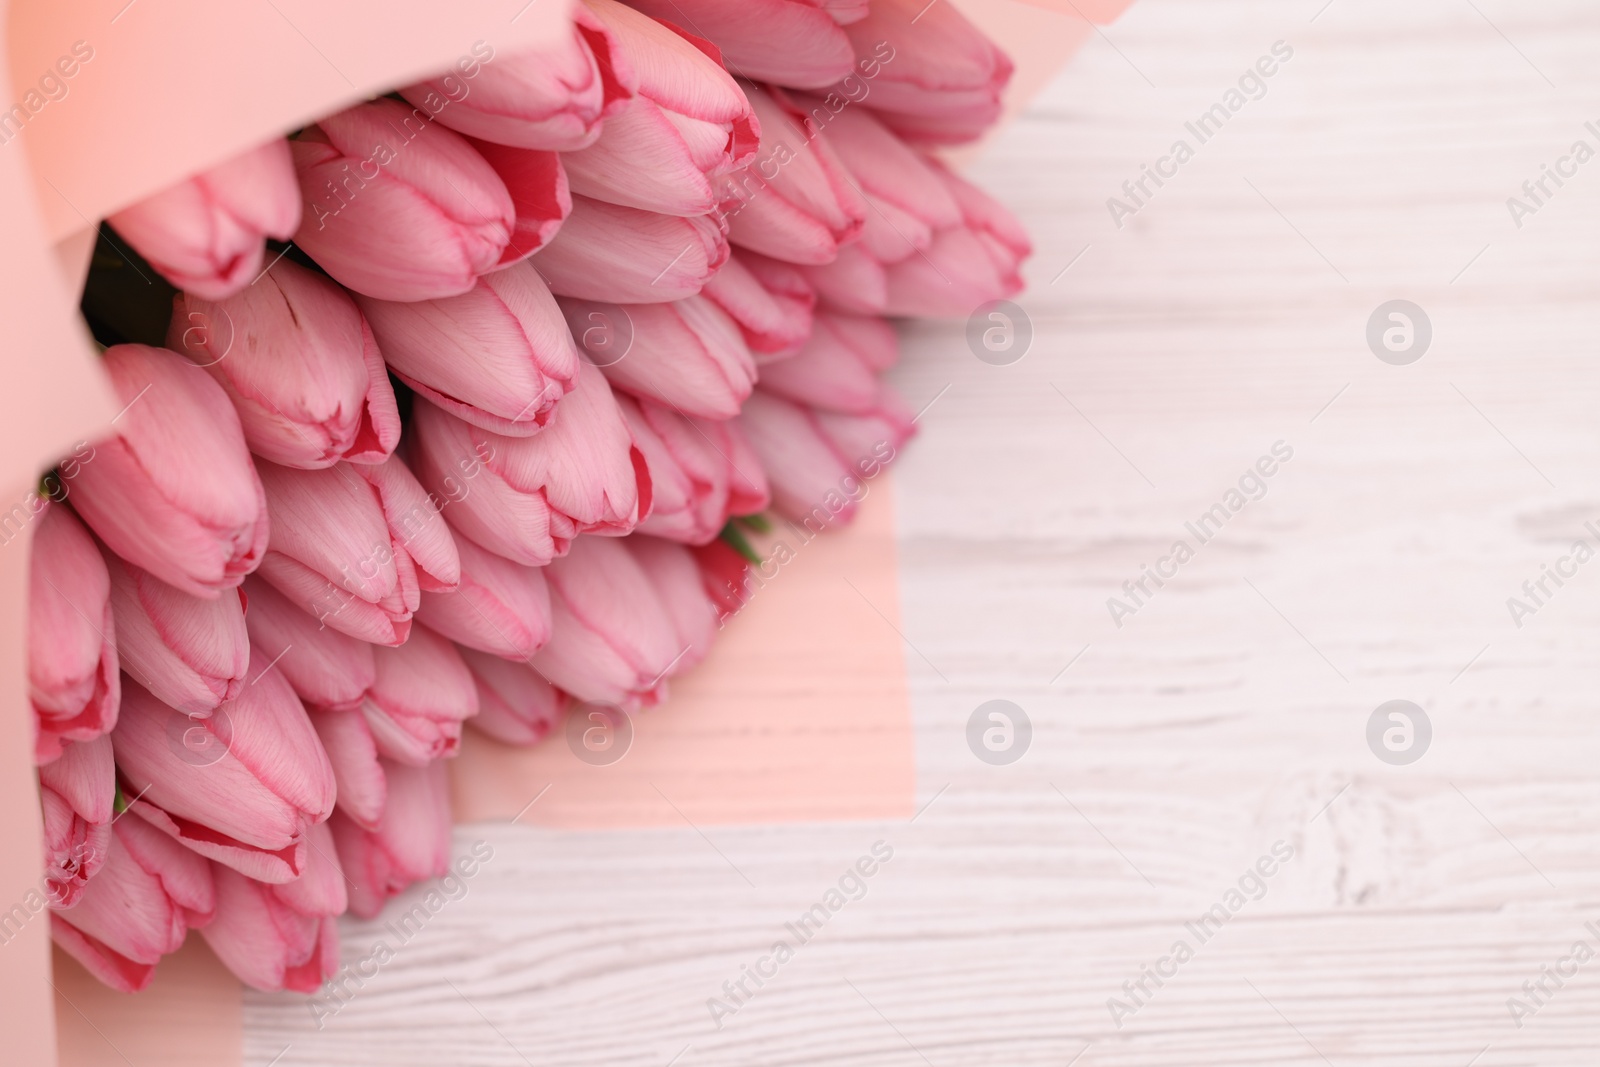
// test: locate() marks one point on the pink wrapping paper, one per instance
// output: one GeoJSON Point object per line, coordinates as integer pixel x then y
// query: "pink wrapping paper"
{"type": "Point", "coordinates": [174, 86]}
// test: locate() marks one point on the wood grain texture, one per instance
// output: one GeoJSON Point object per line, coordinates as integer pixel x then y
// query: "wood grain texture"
{"type": "Point", "coordinates": [1229, 713]}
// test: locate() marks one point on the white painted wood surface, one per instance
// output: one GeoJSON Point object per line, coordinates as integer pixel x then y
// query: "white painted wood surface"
{"type": "Point", "coordinates": [1230, 712]}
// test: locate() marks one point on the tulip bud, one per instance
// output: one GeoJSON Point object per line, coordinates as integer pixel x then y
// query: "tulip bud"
{"type": "Point", "coordinates": [535, 494]}
{"type": "Point", "coordinates": [72, 657]}
{"type": "Point", "coordinates": [205, 234]}
{"type": "Point", "coordinates": [540, 195]}
{"type": "Point", "coordinates": [76, 792]}
{"type": "Point", "coordinates": [552, 97]}
{"type": "Point", "coordinates": [412, 841]}
{"type": "Point", "coordinates": [770, 300]}
{"type": "Point", "coordinates": [275, 937]}
{"type": "Point", "coordinates": [326, 668]}
{"type": "Point", "coordinates": [938, 78]}
{"type": "Point", "coordinates": [188, 652]}
{"type": "Point", "coordinates": [138, 908]}
{"type": "Point", "coordinates": [240, 787]}
{"type": "Point", "coordinates": [612, 640]}
{"type": "Point", "coordinates": [353, 755]}
{"type": "Point", "coordinates": [810, 480]}
{"type": "Point", "coordinates": [909, 198]}
{"type": "Point", "coordinates": [422, 695]}
{"type": "Point", "coordinates": [174, 491]}
{"type": "Point", "coordinates": [726, 575]}
{"type": "Point", "coordinates": [787, 42]}
{"type": "Point", "coordinates": [827, 373]}
{"type": "Point", "coordinates": [500, 606]}
{"type": "Point", "coordinates": [300, 365]}
{"type": "Point", "coordinates": [676, 578]}
{"type": "Point", "coordinates": [515, 704]}
{"type": "Point", "coordinates": [626, 256]}
{"type": "Point", "coordinates": [701, 473]}
{"type": "Point", "coordinates": [687, 354]}
{"type": "Point", "coordinates": [398, 207]}
{"type": "Point", "coordinates": [498, 356]}
{"type": "Point", "coordinates": [688, 123]}
{"type": "Point", "coordinates": [355, 545]}
{"type": "Point", "coordinates": [796, 201]}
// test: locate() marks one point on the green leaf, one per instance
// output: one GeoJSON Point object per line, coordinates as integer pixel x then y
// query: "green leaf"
{"type": "Point", "coordinates": [757, 522]}
{"type": "Point", "coordinates": [735, 537]}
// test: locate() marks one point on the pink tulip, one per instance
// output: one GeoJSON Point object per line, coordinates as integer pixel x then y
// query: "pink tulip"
{"type": "Point", "coordinates": [174, 491]}
{"type": "Point", "coordinates": [355, 545]}
{"type": "Point", "coordinates": [535, 494]}
{"type": "Point", "coordinates": [241, 787]}
{"type": "Point", "coordinates": [500, 607]}
{"type": "Point", "coordinates": [787, 42]}
{"type": "Point", "coordinates": [300, 365]}
{"type": "Point", "coordinates": [796, 202]}
{"type": "Point", "coordinates": [498, 356]}
{"type": "Point", "coordinates": [843, 12]}
{"type": "Point", "coordinates": [936, 79]}
{"type": "Point", "coordinates": [411, 843]}
{"type": "Point", "coordinates": [701, 473]}
{"type": "Point", "coordinates": [551, 97]}
{"type": "Point", "coordinates": [770, 300]}
{"type": "Point", "coordinates": [353, 754]}
{"type": "Point", "coordinates": [422, 695]}
{"type": "Point", "coordinates": [828, 372]}
{"type": "Point", "coordinates": [676, 578]}
{"type": "Point", "coordinates": [810, 478]}
{"type": "Point", "coordinates": [688, 124]}
{"type": "Point", "coordinates": [326, 668]}
{"type": "Point", "coordinates": [76, 792]}
{"type": "Point", "coordinates": [398, 207]}
{"type": "Point", "coordinates": [612, 639]}
{"type": "Point", "coordinates": [72, 654]}
{"type": "Point", "coordinates": [138, 908]}
{"type": "Point", "coordinates": [869, 442]}
{"type": "Point", "coordinates": [515, 704]}
{"type": "Point", "coordinates": [966, 265]}
{"type": "Point", "coordinates": [907, 193]}
{"type": "Point", "coordinates": [540, 195]}
{"type": "Point", "coordinates": [688, 354]}
{"type": "Point", "coordinates": [205, 234]}
{"type": "Point", "coordinates": [627, 256]}
{"type": "Point", "coordinates": [275, 937]}
{"type": "Point", "coordinates": [725, 574]}
{"type": "Point", "coordinates": [190, 653]}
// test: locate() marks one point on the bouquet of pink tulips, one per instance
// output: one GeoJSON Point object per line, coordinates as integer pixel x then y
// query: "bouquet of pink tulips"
{"type": "Point", "coordinates": [452, 414]}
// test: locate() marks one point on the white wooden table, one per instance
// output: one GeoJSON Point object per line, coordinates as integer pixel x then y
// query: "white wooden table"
{"type": "Point", "coordinates": [1230, 712]}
